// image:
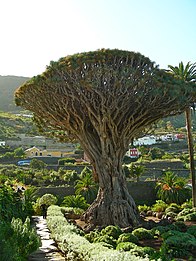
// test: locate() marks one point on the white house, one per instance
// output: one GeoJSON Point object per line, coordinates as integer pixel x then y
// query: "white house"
{"type": "Point", "coordinates": [146, 140]}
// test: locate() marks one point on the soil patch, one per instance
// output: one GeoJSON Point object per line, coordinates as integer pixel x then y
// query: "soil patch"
{"type": "Point", "coordinates": [80, 223]}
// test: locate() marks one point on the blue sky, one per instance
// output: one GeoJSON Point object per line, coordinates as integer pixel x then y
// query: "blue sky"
{"type": "Point", "coordinates": [34, 32]}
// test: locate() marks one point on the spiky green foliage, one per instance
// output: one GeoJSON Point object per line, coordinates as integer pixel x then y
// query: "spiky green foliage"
{"type": "Point", "coordinates": [75, 201]}
{"type": "Point", "coordinates": [17, 240]}
{"type": "Point", "coordinates": [136, 170]}
{"type": "Point", "coordinates": [172, 189]}
{"type": "Point", "coordinates": [185, 72]}
{"type": "Point", "coordinates": [86, 186]}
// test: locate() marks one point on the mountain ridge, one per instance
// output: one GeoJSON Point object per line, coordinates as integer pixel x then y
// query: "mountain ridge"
{"type": "Point", "coordinates": [8, 86]}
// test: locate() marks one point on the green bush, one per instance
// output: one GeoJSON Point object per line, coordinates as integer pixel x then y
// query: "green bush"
{"type": "Point", "coordinates": [143, 208]}
{"type": "Point", "coordinates": [180, 225]}
{"type": "Point", "coordinates": [17, 240]}
{"type": "Point", "coordinates": [86, 185]}
{"type": "Point", "coordinates": [187, 214]}
{"type": "Point", "coordinates": [192, 230]}
{"type": "Point", "coordinates": [92, 235]}
{"type": "Point", "coordinates": [107, 239]}
{"type": "Point", "coordinates": [126, 246]}
{"type": "Point", "coordinates": [142, 233]}
{"type": "Point", "coordinates": [159, 206]}
{"type": "Point", "coordinates": [70, 176]}
{"type": "Point", "coordinates": [160, 230]}
{"type": "Point", "coordinates": [37, 164]}
{"type": "Point", "coordinates": [171, 214]}
{"type": "Point", "coordinates": [77, 211]}
{"type": "Point", "coordinates": [48, 200]}
{"type": "Point", "coordinates": [64, 161]}
{"type": "Point", "coordinates": [190, 217]}
{"type": "Point", "coordinates": [143, 251]}
{"type": "Point", "coordinates": [168, 156]}
{"type": "Point", "coordinates": [75, 201]}
{"type": "Point", "coordinates": [156, 153]}
{"type": "Point", "coordinates": [127, 237]}
{"type": "Point", "coordinates": [13, 203]}
{"type": "Point", "coordinates": [172, 209]}
{"type": "Point", "coordinates": [187, 204]}
{"type": "Point", "coordinates": [113, 231]}
{"type": "Point", "coordinates": [177, 244]}
{"type": "Point", "coordinates": [172, 188]}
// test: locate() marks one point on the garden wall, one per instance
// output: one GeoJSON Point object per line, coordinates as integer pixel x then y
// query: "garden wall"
{"type": "Point", "coordinates": [142, 192]}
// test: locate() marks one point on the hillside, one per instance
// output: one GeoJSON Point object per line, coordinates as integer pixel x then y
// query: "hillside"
{"type": "Point", "coordinates": [8, 85]}
{"type": "Point", "coordinates": [13, 124]}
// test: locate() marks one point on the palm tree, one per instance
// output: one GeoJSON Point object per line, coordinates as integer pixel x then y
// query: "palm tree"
{"type": "Point", "coordinates": [87, 187]}
{"type": "Point", "coordinates": [172, 189]}
{"type": "Point", "coordinates": [136, 171]}
{"type": "Point", "coordinates": [75, 201]}
{"type": "Point", "coordinates": [188, 74]}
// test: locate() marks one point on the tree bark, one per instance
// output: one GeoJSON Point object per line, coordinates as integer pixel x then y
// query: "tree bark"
{"type": "Point", "coordinates": [191, 153]}
{"type": "Point", "coordinates": [113, 205]}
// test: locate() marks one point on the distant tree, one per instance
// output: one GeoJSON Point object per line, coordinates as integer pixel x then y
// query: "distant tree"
{"type": "Point", "coordinates": [155, 153]}
{"type": "Point", "coordinates": [37, 164]}
{"type": "Point", "coordinates": [136, 171]}
{"type": "Point", "coordinates": [19, 153]}
{"type": "Point", "coordinates": [103, 99]}
{"type": "Point", "coordinates": [188, 74]}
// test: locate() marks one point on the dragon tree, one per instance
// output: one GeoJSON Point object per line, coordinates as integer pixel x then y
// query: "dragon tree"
{"type": "Point", "coordinates": [103, 99]}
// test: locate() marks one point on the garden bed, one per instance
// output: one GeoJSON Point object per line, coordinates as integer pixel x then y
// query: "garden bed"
{"type": "Point", "coordinates": [156, 239]}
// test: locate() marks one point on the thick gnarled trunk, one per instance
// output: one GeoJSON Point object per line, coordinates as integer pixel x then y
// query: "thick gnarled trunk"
{"type": "Point", "coordinates": [108, 209]}
{"type": "Point", "coordinates": [113, 205]}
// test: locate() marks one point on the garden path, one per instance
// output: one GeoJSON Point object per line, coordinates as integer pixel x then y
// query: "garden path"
{"type": "Point", "coordinates": [48, 249]}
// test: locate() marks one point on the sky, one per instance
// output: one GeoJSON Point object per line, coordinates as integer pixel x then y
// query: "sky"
{"type": "Point", "coordinates": [35, 32]}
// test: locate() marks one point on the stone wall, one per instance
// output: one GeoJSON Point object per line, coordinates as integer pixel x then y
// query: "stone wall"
{"type": "Point", "coordinates": [142, 192]}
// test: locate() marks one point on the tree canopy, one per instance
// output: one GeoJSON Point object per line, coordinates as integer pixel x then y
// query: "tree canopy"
{"type": "Point", "coordinates": [111, 87]}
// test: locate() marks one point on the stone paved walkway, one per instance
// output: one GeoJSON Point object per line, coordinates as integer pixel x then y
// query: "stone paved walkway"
{"type": "Point", "coordinates": [48, 250]}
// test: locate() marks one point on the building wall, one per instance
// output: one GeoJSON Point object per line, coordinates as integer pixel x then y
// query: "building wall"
{"type": "Point", "coordinates": [34, 152]}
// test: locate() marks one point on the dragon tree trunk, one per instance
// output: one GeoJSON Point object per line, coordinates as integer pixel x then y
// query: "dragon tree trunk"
{"type": "Point", "coordinates": [113, 205]}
